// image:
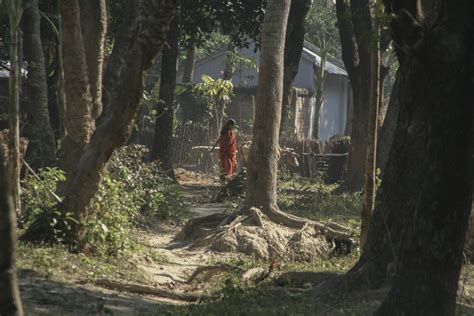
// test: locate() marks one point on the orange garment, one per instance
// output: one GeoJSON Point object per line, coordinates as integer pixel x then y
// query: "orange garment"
{"type": "Point", "coordinates": [227, 153]}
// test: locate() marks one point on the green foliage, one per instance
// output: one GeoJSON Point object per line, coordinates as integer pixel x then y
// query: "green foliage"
{"type": "Point", "coordinates": [36, 194]}
{"type": "Point", "coordinates": [321, 25]}
{"type": "Point", "coordinates": [219, 89]}
{"type": "Point", "coordinates": [312, 198]}
{"type": "Point", "coordinates": [131, 193]}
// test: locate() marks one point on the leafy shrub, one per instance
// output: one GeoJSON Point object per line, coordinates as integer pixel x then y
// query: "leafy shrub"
{"type": "Point", "coordinates": [132, 192]}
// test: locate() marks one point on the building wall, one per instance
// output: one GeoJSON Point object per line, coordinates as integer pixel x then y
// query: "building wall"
{"type": "Point", "coordinates": [336, 95]}
{"type": "Point", "coordinates": [214, 66]}
{"type": "Point", "coordinates": [334, 111]}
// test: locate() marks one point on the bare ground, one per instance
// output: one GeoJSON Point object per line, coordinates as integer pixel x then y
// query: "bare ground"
{"type": "Point", "coordinates": [45, 296]}
{"type": "Point", "coordinates": [79, 297]}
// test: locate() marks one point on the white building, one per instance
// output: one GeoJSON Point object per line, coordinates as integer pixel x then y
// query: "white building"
{"type": "Point", "coordinates": [337, 93]}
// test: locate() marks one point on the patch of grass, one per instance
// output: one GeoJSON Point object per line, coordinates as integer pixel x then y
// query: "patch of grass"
{"type": "Point", "coordinates": [311, 198]}
{"type": "Point", "coordinates": [55, 262]}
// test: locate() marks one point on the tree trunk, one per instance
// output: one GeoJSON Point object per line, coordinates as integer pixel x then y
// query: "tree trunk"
{"type": "Point", "coordinates": [294, 43]}
{"type": "Point", "coordinates": [388, 128]}
{"type": "Point", "coordinates": [162, 149]}
{"type": "Point", "coordinates": [14, 14]}
{"type": "Point", "coordinates": [115, 63]}
{"type": "Point", "coordinates": [188, 72]}
{"type": "Point", "coordinates": [320, 76]}
{"type": "Point", "coordinates": [77, 90]}
{"type": "Point", "coordinates": [42, 144]}
{"type": "Point", "coordinates": [152, 19]}
{"type": "Point", "coordinates": [10, 303]}
{"type": "Point", "coordinates": [94, 28]}
{"type": "Point", "coordinates": [433, 146]}
{"type": "Point", "coordinates": [262, 173]}
{"type": "Point", "coordinates": [219, 111]}
{"type": "Point", "coordinates": [355, 27]}
{"type": "Point", "coordinates": [372, 127]}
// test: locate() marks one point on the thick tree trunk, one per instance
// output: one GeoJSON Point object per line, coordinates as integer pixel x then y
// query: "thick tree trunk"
{"type": "Point", "coordinates": [115, 63]}
{"type": "Point", "coordinates": [94, 28]}
{"type": "Point", "coordinates": [372, 127]}
{"type": "Point", "coordinates": [262, 173]}
{"type": "Point", "coordinates": [162, 149]}
{"type": "Point", "coordinates": [14, 14]}
{"type": "Point", "coordinates": [148, 36]}
{"type": "Point", "coordinates": [433, 145]}
{"type": "Point", "coordinates": [388, 128]}
{"type": "Point", "coordinates": [10, 303]}
{"type": "Point", "coordinates": [294, 43]}
{"type": "Point", "coordinates": [42, 145]}
{"type": "Point", "coordinates": [188, 72]}
{"type": "Point", "coordinates": [78, 115]}
{"type": "Point", "coordinates": [355, 27]}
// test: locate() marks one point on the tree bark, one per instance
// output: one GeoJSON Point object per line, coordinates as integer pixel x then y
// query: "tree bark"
{"type": "Point", "coordinates": [220, 104]}
{"type": "Point", "coordinates": [188, 72]}
{"type": "Point", "coordinates": [10, 303]}
{"type": "Point", "coordinates": [14, 15]}
{"type": "Point", "coordinates": [389, 124]}
{"type": "Point", "coordinates": [294, 43]}
{"type": "Point", "coordinates": [320, 76]}
{"type": "Point", "coordinates": [355, 27]}
{"type": "Point", "coordinates": [152, 19]}
{"type": "Point", "coordinates": [433, 135]}
{"type": "Point", "coordinates": [94, 28]}
{"type": "Point", "coordinates": [162, 149]}
{"type": "Point", "coordinates": [264, 151]}
{"type": "Point", "coordinates": [77, 89]}
{"type": "Point", "coordinates": [372, 127]}
{"type": "Point", "coordinates": [42, 144]}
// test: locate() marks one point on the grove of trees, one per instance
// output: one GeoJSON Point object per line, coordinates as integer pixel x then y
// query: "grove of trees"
{"type": "Point", "coordinates": [86, 63]}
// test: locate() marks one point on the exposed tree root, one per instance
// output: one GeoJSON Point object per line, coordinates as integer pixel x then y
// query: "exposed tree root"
{"type": "Point", "coordinates": [264, 235]}
{"type": "Point", "coordinates": [210, 271]}
{"type": "Point", "coordinates": [149, 290]}
{"type": "Point", "coordinates": [303, 279]}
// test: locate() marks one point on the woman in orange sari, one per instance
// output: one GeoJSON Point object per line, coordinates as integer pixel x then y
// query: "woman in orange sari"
{"type": "Point", "coordinates": [227, 150]}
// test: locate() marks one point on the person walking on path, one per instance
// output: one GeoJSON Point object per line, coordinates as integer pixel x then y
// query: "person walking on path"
{"type": "Point", "coordinates": [227, 150]}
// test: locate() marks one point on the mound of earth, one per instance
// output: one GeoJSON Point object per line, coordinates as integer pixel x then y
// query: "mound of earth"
{"type": "Point", "coordinates": [253, 234]}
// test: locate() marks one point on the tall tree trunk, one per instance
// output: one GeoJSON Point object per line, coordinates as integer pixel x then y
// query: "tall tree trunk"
{"type": "Point", "coordinates": [145, 36]}
{"type": "Point", "coordinates": [320, 76]}
{"type": "Point", "coordinates": [42, 145]}
{"type": "Point", "coordinates": [264, 151]}
{"type": "Point", "coordinates": [219, 111]}
{"type": "Point", "coordinates": [188, 72]}
{"type": "Point", "coordinates": [372, 127]}
{"type": "Point", "coordinates": [294, 43]}
{"type": "Point", "coordinates": [355, 27]}
{"type": "Point", "coordinates": [14, 15]}
{"type": "Point", "coordinates": [412, 227]}
{"type": "Point", "coordinates": [434, 144]}
{"type": "Point", "coordinates": [78, 115]}
{"type": "Point", "coordinates": [10, 303]}
{"type": "Point", "coordinates": [115, 63]}
{"type": "Point", "coordinates": [94, 28]}
{"type": "Point", "coordinates": [388, 128]}
{"type": "Point", "coordinates": [149, 34]}
{"type": "Point", "coordinates": [162, 149]}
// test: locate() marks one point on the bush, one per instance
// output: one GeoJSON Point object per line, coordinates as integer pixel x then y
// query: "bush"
{"type": "Point", "coordinates": [132, 192]}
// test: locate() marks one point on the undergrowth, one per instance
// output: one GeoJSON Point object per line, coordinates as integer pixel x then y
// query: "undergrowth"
{"type": "Point", "coordinates": [132, 194]}
{"type": "Point", "coordinates": [311, 198]}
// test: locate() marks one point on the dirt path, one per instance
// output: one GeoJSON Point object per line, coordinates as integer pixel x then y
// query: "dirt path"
{"type": "Point", "coordinates": [43, 297]}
